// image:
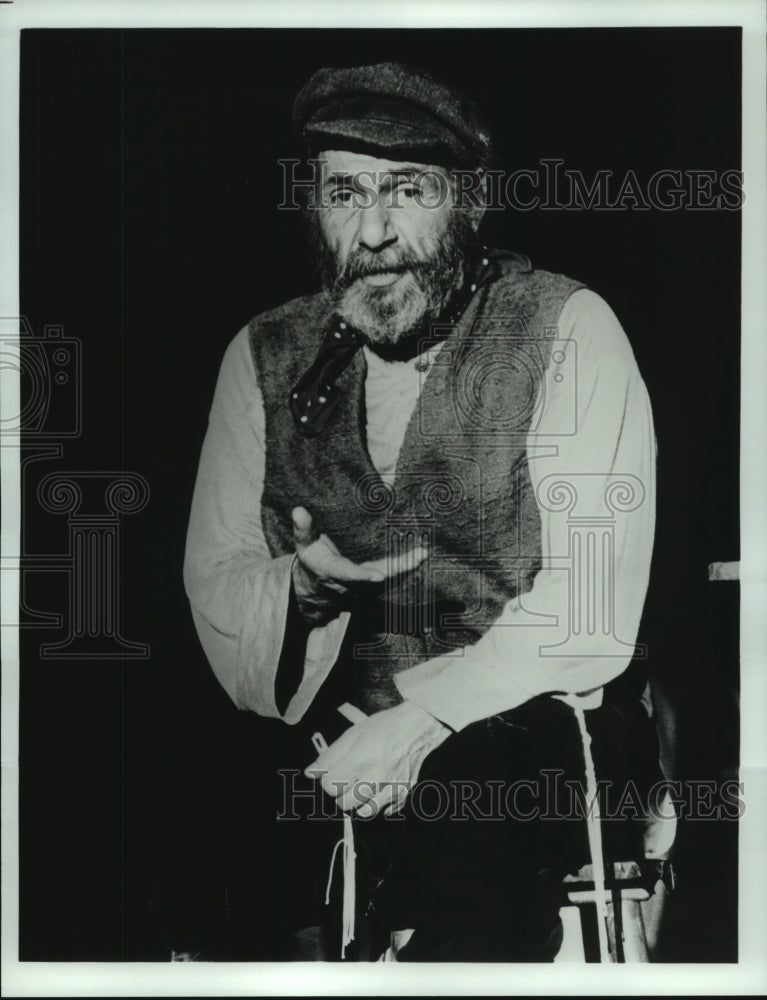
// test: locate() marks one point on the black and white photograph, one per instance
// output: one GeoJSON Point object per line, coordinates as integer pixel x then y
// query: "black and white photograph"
{"type": "Point", "coordinates": [382, 411]}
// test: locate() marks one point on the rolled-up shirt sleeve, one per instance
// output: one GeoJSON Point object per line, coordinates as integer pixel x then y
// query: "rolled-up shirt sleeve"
{"type": "Point", "coordinates": [239, 593]}
{"type": "Point", "coordinates": [591, 458]}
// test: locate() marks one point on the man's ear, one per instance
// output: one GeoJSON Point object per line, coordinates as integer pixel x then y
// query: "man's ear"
{"type": "Point", "coordinates": [479, 213]}
{"type": "Point", "coordinates": [470, 191]}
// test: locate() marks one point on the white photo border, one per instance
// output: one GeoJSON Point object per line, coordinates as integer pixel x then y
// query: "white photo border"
{"type": "Point", "coordinates": [749, 976]}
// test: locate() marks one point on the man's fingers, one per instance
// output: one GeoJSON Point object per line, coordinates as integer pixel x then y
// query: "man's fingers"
{"type": "Point", "coordinates": [338, 789]}
{"type": "Point", "coordinates": [330, 565]}
{"type": "Point", "coordinates": [364, 798]}
{"type": "Point", "coordinates": [367, 810]}
{"type": "Point", "coordinates": [390, 566]}
{"type": "Point", "coordinates": [337, 588]}
{"type": "Point", "coordinates": [320, 556]}
{"type": "Point", "coordinates": [305, 533]}
{"type": "Point", "coordinates": [331, 756]}
{"type": "Point", "coordinates": [388, 799]}
{"type": "Point", "coordinates": [359, 797]}
{"type": "Point", "coordinates": [303, 528]}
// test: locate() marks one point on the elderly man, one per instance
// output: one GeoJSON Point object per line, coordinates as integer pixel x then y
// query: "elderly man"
{"type": "Point", "coordinates": [428, 491]}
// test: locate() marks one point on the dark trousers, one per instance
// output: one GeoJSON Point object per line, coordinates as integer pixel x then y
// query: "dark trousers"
{"type": "Point", "coordinates": [475, 862]}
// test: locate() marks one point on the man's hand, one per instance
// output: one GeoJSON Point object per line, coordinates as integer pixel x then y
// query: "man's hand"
{"type": "Point", "coordinates": [374, 764]}
{"type": "Point", "coordinates": [321, 573]}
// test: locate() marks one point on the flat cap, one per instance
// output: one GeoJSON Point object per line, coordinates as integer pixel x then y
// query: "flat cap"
{"type": "Point", "coordinates": [390, 108]}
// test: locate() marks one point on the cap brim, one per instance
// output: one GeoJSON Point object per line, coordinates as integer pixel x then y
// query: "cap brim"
{"type": "Point", "coordinates": [380, 135]}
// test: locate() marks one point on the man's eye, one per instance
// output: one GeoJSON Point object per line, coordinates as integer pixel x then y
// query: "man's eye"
{"type": "Point", "coordinates": [407, 190]}
{"type": "Point", "coordinates": [342, 197]}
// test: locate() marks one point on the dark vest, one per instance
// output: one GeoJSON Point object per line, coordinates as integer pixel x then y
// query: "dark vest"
{"type": "Point", "coordinates": [462, 482]}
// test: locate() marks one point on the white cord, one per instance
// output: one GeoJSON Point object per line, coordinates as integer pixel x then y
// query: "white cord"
{"type": "Point", "coordinates": [350, 890]}
{"type": "Point", "coordinates": [594, 830]}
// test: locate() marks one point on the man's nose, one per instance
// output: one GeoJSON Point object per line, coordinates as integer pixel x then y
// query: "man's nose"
{"type": "Point", "coordinates": [376, 230]}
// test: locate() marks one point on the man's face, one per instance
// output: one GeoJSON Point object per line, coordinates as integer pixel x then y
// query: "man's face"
{"type": "Point", "coordinates": [392, 243]}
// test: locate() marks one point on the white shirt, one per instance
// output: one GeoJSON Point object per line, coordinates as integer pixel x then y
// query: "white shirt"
{"type": "Point", "coordinates": [593, 429]}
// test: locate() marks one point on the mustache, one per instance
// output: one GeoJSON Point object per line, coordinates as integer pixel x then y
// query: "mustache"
{"type": "Point", "coordinates": [450, 254]}
{"type": "Point", "coordinates": [362, 263]}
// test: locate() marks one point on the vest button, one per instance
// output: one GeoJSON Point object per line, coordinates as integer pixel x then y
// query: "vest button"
{"type": "Point", "coordinates": [422, 365]}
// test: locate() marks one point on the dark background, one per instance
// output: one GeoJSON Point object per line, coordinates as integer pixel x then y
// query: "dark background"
{"type": "Point", "coordinates": [150, 232]}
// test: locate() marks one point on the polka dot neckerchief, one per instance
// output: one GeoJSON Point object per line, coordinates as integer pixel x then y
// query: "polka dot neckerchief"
{"type": "Point", "coordinates": [315, 396]}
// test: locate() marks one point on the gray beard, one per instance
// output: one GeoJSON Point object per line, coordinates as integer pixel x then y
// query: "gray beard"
{"type": "Point", "coordinates": [392, 314]}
